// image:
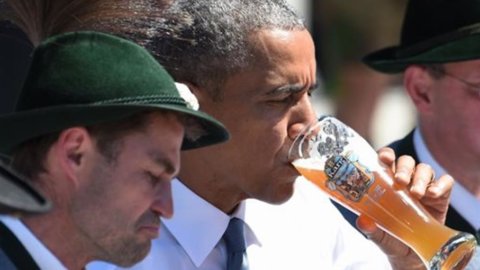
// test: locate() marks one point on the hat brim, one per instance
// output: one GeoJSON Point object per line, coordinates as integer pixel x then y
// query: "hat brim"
{"type": "Point", "coordinates": [388, 60]}
{"type": "Point", "coordinates": [21, 126]}
{"type": "Point", "coordinates": [17, 196]}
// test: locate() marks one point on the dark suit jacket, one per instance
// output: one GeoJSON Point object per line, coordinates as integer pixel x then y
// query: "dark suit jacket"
{"type": "Point", "coordinates": [454, 219]}
{"type": "Point", "coordinates": [13, 255]}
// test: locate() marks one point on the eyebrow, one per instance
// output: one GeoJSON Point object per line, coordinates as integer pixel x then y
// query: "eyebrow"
{"type": "Point", "coordinates": [291, 88]}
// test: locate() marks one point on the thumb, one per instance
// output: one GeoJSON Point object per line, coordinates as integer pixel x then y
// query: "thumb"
{"type": "Point", "coordinates": [386, 242]}
{"type": "Point", "coordinates": [367, 225]}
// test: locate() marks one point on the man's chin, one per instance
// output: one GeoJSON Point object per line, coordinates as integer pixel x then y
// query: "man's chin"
{"type": "Point", "coordinates": [132, 254]}
{"type": "Point", "coordinates": [282, 194]}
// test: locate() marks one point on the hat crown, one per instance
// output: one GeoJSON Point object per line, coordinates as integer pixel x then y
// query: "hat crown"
{"type": "Point", "coordinates": [89, 68]}
{"type": "Point", "coordinates": [427, 19]}
{"type": "Point", "coordinates": [86, 78]}
{"type": "Point", "coordinates": [433, 31]}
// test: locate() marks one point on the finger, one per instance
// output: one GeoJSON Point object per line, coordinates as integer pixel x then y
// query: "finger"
{"type": "Point", "coordinates": [422, 179]}
{"type": "Point", "coordinates": [404, 170]}
{"type": "Point", "coordinates": [437, 197]}
{"type": "Point", "coordinates": [441, 188]}
{"type": "Point", "coordinates": [386, 155]}
{"type": "Point", "coordinates": [366, 225]}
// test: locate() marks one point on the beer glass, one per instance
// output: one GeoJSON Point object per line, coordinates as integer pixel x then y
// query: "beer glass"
{"type": "Point", "coordinates": [342, 164]}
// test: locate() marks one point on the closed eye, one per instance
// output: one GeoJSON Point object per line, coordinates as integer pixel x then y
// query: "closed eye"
{"type": "Point", "coordinates": [163, 167]}
{"type": "Point", "coordinates": [289, 93]}
{"type": "Point", "coordinates": [152, 178]}
{"type": "Point", "coordinates": [284, 98]}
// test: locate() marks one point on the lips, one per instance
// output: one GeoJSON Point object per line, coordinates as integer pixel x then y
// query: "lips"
{"type": "Point", "coordinates": [150, 225]}
{"type": "Point", "coordinates": [151, 230]}
{"type": "Point", "coordinates": [289, 168]}
{"type": "Point", "coordinates": [291, 172]}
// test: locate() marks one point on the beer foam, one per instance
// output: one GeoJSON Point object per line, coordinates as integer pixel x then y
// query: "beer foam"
{"type": "Point", "coordinates": [308, 163]}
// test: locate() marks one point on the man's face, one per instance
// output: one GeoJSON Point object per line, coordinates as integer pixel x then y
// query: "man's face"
{"type": "Point", "coordinates": [264, 108]}
{"type": "Point", "coordinates": [119, 207]}
{"type": "Point", "coordinates": [453, 114]}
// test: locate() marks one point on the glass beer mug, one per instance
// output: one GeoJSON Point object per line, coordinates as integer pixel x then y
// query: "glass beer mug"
{"type": "Point", "coordinates": [347, 168]}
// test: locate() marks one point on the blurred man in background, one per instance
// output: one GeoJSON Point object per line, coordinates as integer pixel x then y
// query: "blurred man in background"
{"type": "Point", "coordinates": [439, 55]}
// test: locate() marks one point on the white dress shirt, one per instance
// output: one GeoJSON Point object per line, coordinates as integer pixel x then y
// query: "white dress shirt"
{"type": "Point", "coordinates": [306, 232]}
{"type": "Point", "coordinates": [464, 202]}
{"type": "Point", "coordinates": [42, 256]}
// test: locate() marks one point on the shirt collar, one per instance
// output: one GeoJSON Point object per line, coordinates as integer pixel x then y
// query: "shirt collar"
{"type": "Point", "coordinates": [39, 252]}
{"type": "Point", "coordinates": [197, 225]}
{"type": "Point", "coordinates": [462, 200]}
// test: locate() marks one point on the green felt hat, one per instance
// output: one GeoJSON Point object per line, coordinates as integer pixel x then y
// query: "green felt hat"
{"type": "Point", "coordinates": [17, 196]}
{"type": "Point", "coordinates": [433, 31]}
{"type": "Point", "coordinates": [85, 78]}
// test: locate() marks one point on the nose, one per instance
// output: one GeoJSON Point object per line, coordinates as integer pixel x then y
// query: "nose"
{"type": "Point", "coordinates": [302, 115]}
{"type": "Point", "coordinates": [162, 203]}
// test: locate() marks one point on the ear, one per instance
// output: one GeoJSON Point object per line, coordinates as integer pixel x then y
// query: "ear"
{"type": "Point", "coordinates": [72, 147]}
{"type": "Point", "coordinates": [419, 85]}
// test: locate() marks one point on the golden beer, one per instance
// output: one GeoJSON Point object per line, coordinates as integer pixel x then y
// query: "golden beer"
{"type": "Point", "coordinates": [343, 165]}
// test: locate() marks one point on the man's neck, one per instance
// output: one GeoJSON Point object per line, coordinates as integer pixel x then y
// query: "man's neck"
{"type": "Point", "coordinates": [51, 230]}
{"type": "Point", "coordinates": [461, 169]}
{"type": "Point", "coordinates": [200, 177]}
{"type": "Point", "coordinates": [461, 165]}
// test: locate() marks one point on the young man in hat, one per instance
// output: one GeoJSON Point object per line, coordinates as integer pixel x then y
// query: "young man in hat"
{"type": "Point", "coordinates": [439, 55]}
{"type": "Point", "coordinates": [251, 63]}
{"type": "Point", "coordinates": [98, 128]}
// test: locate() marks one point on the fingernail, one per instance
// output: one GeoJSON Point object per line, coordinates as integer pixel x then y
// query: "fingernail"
{"type": "Point", "coordinates": [434, 190]}
{"type": "Point", "coordinates": [401, 174]}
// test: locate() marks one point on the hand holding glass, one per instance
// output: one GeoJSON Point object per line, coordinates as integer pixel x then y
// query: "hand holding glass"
{"type": "Point", "coordinates": [347, 168]}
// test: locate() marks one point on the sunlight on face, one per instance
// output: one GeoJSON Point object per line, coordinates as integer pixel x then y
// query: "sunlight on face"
{"type": "Point", "coordinates": [260, 107]}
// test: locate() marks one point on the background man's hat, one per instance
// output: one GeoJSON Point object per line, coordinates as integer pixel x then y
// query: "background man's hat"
{"type": "Point", "coordinates": [433, 31]}
{"type": "Point", "coordinates": [17, 196]}
{"type": "Point", "coordinates": [85, 78]}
